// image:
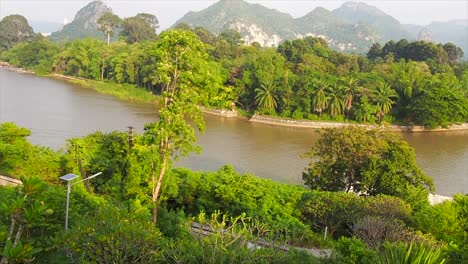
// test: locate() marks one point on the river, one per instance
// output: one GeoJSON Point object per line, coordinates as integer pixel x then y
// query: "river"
{"type": "Point", "coordinates": [55, 110]}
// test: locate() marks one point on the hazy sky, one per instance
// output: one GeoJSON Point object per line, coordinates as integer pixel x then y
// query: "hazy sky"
{"type": "Point", "coordinates": [406, 11]}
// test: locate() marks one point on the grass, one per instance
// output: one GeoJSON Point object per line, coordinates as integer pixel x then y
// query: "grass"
{"type": "Point", "coordinates": [126, 92]}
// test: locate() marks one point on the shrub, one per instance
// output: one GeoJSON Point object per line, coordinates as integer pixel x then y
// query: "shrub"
{"type": "Point", "coordinates": [375, 230]}
{"type": "Point", "coordinates": [335, 210]}
{"type": "Point", "coordinates": [352, 250]}
{"type": "Point", "coordinates": [113, 236]}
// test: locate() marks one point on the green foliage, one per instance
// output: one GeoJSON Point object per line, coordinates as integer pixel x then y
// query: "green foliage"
{"type": "Point", "coordinates": [441, 105]}
{"type": "Point", "coordinates": [107, 23]}
{"type": "Point", "coordinates": [141, 27]}
{"type": "Point", "coordinates": [333, 211]}
{"type": "Point", "coordinates": [364, 161]}
{"type": "Point", "coordinates": [36, 55]}
{"type": "Point", "coordinates": [113, 235]}
{"type": "Point", "coordinates": [100, 152]}
{"type": "Point", "coordinates": [231, 240]}
{"type": "Point", "coordinates": [18, 157]}
{"type": "Point", "coordinates": [417, 51]}
{"type": "Point", "coordinates": [445, 221]}
{"type": "Point", "coordinates": [269, 202]}
{"type": "Point", "coordinates": [81, 58]}
{"type": "Point", "coordinates": [122, 91]}
{"type": "Point", "coordinates": [352, 250]}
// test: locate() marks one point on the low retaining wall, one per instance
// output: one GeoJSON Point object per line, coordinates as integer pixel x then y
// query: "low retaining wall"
{"type": "Point", "coordinates": [323, 124]}
{"type": "Point", "coordinates": [220, 112]}
{"type": "Point", "coordinates": [4, 181]}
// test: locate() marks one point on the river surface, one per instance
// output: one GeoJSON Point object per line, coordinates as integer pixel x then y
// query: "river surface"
{"type": "Point", "coordinates": [55, 110]}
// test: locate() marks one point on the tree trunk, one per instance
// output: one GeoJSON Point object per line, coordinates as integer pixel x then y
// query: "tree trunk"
{"type": "Point", "coordinates": [18, 235]}
{"type": "Point", "coordinates": [108, 38]}
{"type": "Point", "coordinates": [157, 189]}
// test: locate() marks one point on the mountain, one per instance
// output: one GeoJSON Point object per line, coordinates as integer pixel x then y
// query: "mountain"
{"type": "Point", "coordinates": [255, 22]}
{"type": "Point", "coordinates": [387, 27]}
{"type": "Point", "coordinates": [15, 29]}
{"type": "Point", "coordinates": [269, 27]}
{"type": "Point", "coordinates": [339, 33]}
{"type": "Point", "coordinates": [84, 24]}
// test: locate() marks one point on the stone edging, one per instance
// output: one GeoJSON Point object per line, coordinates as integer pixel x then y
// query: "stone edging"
{"type": "Point", "coordinates": [323, 124]}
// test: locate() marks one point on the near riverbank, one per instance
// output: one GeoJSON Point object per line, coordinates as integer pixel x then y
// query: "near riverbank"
{"type": "Point", "coordinates": [276, 121]}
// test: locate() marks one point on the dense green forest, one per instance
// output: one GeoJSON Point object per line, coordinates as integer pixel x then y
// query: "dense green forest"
{"type": "Point", "coordinates": [250, 220]}
{"type": "Point", "coordinates": [411, 83]}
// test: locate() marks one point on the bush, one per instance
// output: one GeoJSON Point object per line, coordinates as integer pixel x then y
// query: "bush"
{"type": "Point", "coordinates": [112, 235]}
{"type": "Point", "coordinates": [297, 114]}
{"type": "Point", "coordinates": [269, 202]}
{"type": "Point", "coordinates": [352, 250]}
{"type": "Point", "coordinates": [335, 210]}
{"type": "Point", "coordinates": [375, 230]}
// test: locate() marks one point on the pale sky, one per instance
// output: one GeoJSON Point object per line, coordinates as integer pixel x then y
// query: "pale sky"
{"type": "Point", "coordinates": [419, 12]}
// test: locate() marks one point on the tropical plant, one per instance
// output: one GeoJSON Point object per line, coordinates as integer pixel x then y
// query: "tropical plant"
{"type": "Point", "coordinates": [320, 99]}
{"type": "Point", "coordinates": [410, 254]}
{"type": "Point", "coordinates": [336, 105]}
{"type": "Point", "coordinates": [382, 98]}
{"type": "Point", "coordinates": [350, 88]}
{"type": "Point", "coordinates": [266, 98]}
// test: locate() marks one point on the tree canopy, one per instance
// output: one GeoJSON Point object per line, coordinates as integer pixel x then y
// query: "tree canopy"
{"type": "Point", "coordinates": [365, 161]}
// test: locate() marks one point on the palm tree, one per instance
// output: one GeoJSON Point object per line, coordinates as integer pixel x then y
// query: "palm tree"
{"type": "Point", "coordinates": [320, 99]}
{"type": "Point", "coordinates": [383, 95]}
{"type": "Point", "coordinates": [265, 98]}
{"type": "Point", "coordinates": [335, 93]}
{"type": "Point", "coordinates": [350, 87]}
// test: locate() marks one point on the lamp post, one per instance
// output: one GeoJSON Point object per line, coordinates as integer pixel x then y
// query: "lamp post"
{"type": "Point", "coordinates": [68, 178]}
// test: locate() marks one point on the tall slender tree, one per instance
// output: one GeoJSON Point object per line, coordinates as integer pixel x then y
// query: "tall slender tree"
{"type": "Point", "coordinates": [107, 23]}
{"type": "Point", "coordinates": [183, 73]}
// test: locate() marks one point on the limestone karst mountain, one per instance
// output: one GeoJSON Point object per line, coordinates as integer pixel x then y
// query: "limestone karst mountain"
{"type": "Point", "coordinates": [84, 24]}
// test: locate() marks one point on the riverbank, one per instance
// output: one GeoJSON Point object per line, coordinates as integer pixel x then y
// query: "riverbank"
{"type": "Point", "coordinates": [9, 67]}
{"type": "Point", "coordinates": [276, 121]}
{"type": "Point", "coordinates": [130, 92]}
{"type": "Point", "coordinates": [122, 91]}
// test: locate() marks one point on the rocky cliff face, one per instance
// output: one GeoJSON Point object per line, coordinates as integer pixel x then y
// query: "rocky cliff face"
{"type": "Point", "coordinates": [269, 27]}
{"type": "Point", "coordinates": [84, 24]}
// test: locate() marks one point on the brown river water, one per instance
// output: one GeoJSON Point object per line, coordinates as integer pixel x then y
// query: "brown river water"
{"type": "Point", "coordinates": [55, 110]}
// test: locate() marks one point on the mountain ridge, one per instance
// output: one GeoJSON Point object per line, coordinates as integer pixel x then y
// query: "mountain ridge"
{"type": "Point", "coordinates": [352, 27]}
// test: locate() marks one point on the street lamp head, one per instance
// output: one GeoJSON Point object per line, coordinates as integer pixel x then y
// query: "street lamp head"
{"type": "Point", "coordinates": [68, 177]}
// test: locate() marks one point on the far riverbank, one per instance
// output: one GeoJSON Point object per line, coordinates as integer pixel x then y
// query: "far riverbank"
{"type": "Point", "coordinates": [133, 93]}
